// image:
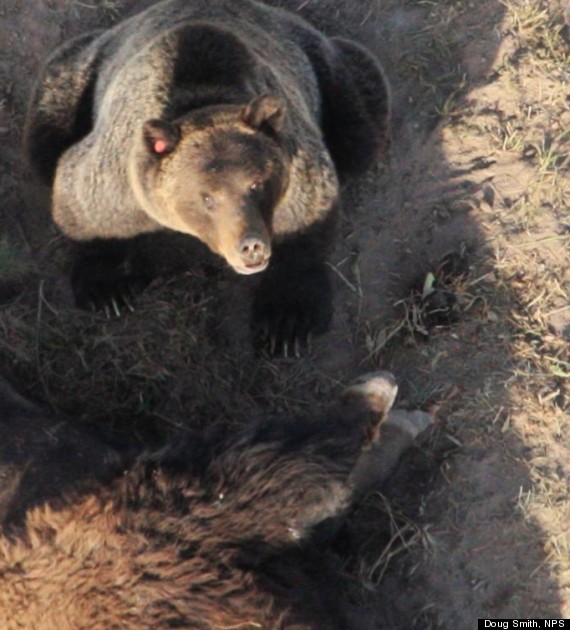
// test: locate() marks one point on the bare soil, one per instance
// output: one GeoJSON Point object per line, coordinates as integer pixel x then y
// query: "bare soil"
{"type": "Point", "coordinates": [476, 521]}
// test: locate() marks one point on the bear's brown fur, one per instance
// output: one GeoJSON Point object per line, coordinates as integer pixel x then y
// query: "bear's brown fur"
{"type": "Point", "coordinates": [217, 532]}
{"type": "Point", "coordinates": [226, 120]}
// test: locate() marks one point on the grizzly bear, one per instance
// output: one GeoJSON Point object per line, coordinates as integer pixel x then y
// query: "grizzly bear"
{"type": "Point", "coordinates": [220, 531]}
{"type": "Point", "coordinates": [225, 120]}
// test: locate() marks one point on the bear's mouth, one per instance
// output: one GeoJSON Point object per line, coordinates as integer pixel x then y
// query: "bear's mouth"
{"type": "Point", "coordinates": [246, 270]}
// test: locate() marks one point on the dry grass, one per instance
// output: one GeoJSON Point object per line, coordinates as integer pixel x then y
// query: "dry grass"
{"type": "Point", "coordinates": [402, 535]}
{"type": "Point", "coordinates": [107, 11]}
{"type": "Point", "coordinates": [521, 293]}
{"type": "Point", "coordinates": [531, 267]}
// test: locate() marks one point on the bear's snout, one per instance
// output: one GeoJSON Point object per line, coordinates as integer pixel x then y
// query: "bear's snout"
{"type": "Point", "coordinates": [255, 252]}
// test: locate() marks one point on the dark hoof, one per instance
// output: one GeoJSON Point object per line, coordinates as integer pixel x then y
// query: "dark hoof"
{"type": "Point", "coordinates": [377, 389]}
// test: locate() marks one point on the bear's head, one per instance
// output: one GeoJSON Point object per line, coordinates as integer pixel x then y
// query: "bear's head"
{"type": "Point", "coordinates": [218, 173]}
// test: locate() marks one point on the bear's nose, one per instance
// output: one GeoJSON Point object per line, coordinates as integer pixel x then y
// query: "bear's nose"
{"type": "Point", "coordinates": [254, 250]}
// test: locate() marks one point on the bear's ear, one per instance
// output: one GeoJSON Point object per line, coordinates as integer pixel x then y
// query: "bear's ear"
{"type": "Point", "coordinates": [161, 137]}
{"type": "Point", "coordinates": [265, 111]}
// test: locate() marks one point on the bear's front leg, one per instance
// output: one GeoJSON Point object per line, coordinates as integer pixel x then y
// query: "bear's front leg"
{"type": "Point", "coordinates": [293, 301]}
{"type": "Point", "coordinates": [107, 274]}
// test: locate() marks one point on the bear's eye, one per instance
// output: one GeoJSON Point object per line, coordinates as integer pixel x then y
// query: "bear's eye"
{"type": "Point", "coordinates": [208, 200]}
{"type": "Point", "coordinates": [255, 186]}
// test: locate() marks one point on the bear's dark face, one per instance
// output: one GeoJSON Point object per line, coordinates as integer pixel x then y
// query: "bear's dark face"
{"type": "Point", "coordinates": [218, 174]}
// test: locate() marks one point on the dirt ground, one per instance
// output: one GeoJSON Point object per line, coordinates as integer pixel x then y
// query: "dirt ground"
{"type": "Point", "coordinates": [475, 523]}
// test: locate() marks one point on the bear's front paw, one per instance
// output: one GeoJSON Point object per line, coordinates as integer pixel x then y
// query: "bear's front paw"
{"type": "Point", "coordinates": [290, 307]}
{"type": "Point", "coordinates": [106, 284]}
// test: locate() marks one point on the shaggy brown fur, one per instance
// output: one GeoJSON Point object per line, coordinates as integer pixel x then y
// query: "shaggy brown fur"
{"type": "Point", "coordinates": [225, 120]}
{"type": "Point", "coordinates": [214, 533]}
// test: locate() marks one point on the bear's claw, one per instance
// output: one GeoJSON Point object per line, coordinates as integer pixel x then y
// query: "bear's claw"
{"type": "Point", "coordinates": [290, 307]}
{"type": "Point", "coordinates": [101, 284]}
